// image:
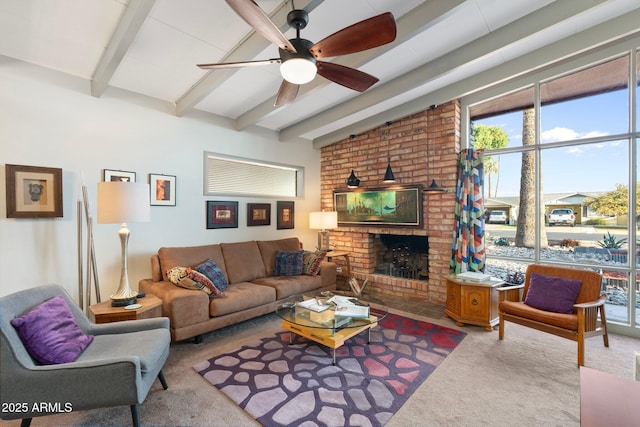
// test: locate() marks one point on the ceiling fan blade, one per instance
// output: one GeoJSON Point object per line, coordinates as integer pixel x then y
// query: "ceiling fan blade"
{"type": "Point", "coordinates": [239, 64]}
{"type": "Point", "coordinates": [259, 21]}
{"type": "Point", "coordinates": [286, 94]}
{"type": "Point", "coordinates": [363, 35]}
{"type": "Point", "coordinates": [345, 76]}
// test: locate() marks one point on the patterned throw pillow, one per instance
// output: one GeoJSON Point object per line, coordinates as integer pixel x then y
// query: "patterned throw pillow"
{"type": "Point", "coordinates": [311, 262]}
{"type": "Point", "coordinates": [288, 263]}
{"type": "Point", "coordinates": [210, 269]}
{"type": "Point", "coordinates": [51, 334]}
{"type": "Point", "coordinates": [188, 278]}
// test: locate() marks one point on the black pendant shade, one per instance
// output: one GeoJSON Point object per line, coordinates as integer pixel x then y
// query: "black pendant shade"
{"type": "Point", "coordinates": [388, 175]}
{"type": "Point", "coordinates": [353, 181]}
{"type": "Point", "coordinates": [435, 188]}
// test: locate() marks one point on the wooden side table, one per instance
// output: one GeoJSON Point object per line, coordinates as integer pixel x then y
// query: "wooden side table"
{"type": "Point", "coordinates": [104, 313]}
{"type": "Point", "coordinates": [346, 267]}
{"type": "Point", "coordinates": [474, 303]}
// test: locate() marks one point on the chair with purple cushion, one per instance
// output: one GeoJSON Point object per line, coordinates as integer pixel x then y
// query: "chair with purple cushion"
{"type": "Point", "coordinates": [561, 301]}
{"type": "Point", "coordinates": [51, 354]}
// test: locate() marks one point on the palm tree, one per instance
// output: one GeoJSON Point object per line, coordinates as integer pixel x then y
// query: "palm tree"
{"type": "Point", "coordinates": [525, 230]}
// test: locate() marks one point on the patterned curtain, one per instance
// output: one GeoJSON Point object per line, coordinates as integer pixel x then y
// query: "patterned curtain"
{"type": "Point", "coordinates": [468, 253]}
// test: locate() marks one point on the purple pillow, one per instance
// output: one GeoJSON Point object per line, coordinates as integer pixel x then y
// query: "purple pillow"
{"type": "Point", "coordinates": [50, 333]}
{"type": "Point", "coordinates": [289, 263]}
{"type": "Point", "coordinates": [550, 293]}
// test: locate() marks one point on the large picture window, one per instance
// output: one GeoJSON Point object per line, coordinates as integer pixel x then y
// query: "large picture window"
{"type": "Point", "coordinates": [561, 164]}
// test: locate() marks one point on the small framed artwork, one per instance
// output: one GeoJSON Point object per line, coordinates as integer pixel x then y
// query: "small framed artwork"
{"type": "Point", "coordinates": [285, 212]}
{"type": "Point", "coordinates": [33, 192]}
{"type": "Point", "coordinates": [163, 189]}
{"type": "Point", "coordinates": [222, 214]}
{"type": "Point", "coordinates": [258, 214]}
{"type": "Point", "coordinates": [114, 175]}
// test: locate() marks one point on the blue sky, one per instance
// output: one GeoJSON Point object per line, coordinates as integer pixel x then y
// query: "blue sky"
{"type": "Point", "coordinates": [584, 168]}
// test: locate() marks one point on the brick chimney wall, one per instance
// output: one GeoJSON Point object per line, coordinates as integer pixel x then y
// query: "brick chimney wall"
{"type": "Point", "coordinates": [422, 147]}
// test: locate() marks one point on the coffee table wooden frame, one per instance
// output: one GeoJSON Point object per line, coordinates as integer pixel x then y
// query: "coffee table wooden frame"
{"type": "Point", "coordinates": [329, 337]}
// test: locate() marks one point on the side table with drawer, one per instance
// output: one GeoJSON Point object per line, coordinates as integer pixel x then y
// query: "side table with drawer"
{"type": "Point", "coordinates": [104, 313]}
{"type": "Point", "coordinates": [474, 303]}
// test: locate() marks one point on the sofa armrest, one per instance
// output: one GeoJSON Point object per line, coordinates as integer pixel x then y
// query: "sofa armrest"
{"type": "Point", "coordinates": [328, 273]}
{"type": "Point", "coordinates": [510, 293]}
{"type": "Point", "coordinates": [597, 303]}
{"type": "Point", "coordinates": [183, 307]}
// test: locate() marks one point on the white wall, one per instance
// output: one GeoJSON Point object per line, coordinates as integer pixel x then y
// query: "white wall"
{"type": "Point", "coordinates": [49, 119]}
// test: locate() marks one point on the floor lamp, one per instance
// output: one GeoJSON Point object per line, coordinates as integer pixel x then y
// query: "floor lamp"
{"type": "Point", "coordinates": [323, 221]}
{"type": "Point", "coordinates": [120, 203]}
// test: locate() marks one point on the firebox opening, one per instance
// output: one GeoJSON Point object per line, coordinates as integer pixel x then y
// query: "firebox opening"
{"type": "Point", "coordinates": [402, 256]}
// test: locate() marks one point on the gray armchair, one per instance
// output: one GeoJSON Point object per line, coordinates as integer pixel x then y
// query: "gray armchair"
{"type": "Point", "coordinates": [117, 368]}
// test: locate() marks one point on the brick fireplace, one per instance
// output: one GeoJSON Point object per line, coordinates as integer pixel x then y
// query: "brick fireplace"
{"type": "Point", "coordinates": [422, 147]}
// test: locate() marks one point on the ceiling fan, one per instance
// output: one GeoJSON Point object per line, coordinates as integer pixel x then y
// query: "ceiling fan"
{"type": "Point", "coordinates": [299, 58]}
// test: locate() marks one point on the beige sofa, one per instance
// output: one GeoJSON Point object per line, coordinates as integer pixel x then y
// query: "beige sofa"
{"type": "Point", "coordinates": [252, 291]}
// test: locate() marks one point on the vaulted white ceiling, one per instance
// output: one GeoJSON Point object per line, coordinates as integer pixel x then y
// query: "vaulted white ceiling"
{"type": "Point", "coordinates": [151, 48]}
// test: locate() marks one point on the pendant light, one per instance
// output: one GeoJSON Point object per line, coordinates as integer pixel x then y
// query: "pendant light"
{"type": "Point", "coordinates": [388, 175]}
{"type": "Point", "coordinates": [434, 187]}
{"type": "Point", "coordinates": [352, 181]}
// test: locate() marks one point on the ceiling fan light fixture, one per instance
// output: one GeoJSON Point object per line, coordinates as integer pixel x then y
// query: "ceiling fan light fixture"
{"type": "Point", "coordinates": [298, 70]}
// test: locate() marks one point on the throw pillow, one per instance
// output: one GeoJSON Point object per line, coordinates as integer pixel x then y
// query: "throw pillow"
{"type": "Point", "coordinates": [210, 269]}
{"type": "Point", "coordinates": [311, 262]}
{"type": "Point", "coordinates": [188, 278]}
{"type": "Point", "coordinates": [550, 293]}
{"type": "Point", "coordinates": [288, 263]}
{"type": "Point", "coordinates": [51, 334]}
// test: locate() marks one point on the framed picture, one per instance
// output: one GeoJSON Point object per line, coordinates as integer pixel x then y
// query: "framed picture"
{"type": "Point", "coordinates": [258, 214]}
{"type": "Point", "coordinates": [33, 192]}
{"type": "Point", "coordinates": [163, 190]}
{"type": "Point", "coordinates": [285, 212]}
{"type": "Point", "coordinates": [114, 175]}
{"type": "Point", "coordinates": [222, 214]}
{"type": "Point", "coordinates": [380, 206]}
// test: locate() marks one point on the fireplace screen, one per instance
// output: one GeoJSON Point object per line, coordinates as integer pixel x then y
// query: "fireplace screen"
{"type": "Point", "coordinates": [403, 256]}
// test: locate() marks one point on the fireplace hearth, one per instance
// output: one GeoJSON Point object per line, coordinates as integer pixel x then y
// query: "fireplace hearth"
{"type": "Point", "coordinates": [404, 256]}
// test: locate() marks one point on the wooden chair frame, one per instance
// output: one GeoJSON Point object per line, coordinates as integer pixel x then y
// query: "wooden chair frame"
{"type": "Point", "coordinates": [586, 312]}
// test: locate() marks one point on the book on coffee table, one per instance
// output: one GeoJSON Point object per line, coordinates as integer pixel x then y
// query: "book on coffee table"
{"type": "Point", "coordinates": [313, 305]}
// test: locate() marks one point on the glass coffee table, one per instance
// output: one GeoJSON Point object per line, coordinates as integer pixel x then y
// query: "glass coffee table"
{"type": "Point", "coordinates": [330, 318]}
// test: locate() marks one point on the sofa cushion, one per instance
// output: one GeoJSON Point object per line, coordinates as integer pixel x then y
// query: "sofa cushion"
{"type": "Point", "coordinates": [50, 332]}
{"type": "Point", "coordinates": [557, 294]}
{"type": "Point", "coordinates": [210, 269]}
{"type": "Point", "coordinates": [241, 296]}
{"type": "Point", "coordinates": [288, 263]}
{"type": "Point", "coordinates": [190, 256]}
{"type": "Point", "coordinates": [243, 261]}
{"type": "Point", "coordinates": [311, 262]}
{"type": "Point", "coordinates": [286, 286]}
{"type": "Point", "coordinates": [189, 278]}
{"type": "Point", "coordinates": [151, 346]}
{"type": "Point", "coordinates": [268, 250]}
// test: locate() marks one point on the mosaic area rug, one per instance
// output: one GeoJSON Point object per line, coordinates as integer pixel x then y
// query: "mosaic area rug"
{"type": "Point", "coordinates": [282, 384]}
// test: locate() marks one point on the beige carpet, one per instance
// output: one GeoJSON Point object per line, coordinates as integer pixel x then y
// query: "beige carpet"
{"type": "Point", "coordinates": [529, 379]}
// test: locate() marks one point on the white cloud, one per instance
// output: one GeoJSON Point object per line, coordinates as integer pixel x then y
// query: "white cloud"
{"type": "Point", "coordinates": [566, 134]}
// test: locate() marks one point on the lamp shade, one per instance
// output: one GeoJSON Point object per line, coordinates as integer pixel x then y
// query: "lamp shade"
{"type": "Point", "coordinates": [323, 220]}
{"type": "Point", "coordinates": [122, 202]}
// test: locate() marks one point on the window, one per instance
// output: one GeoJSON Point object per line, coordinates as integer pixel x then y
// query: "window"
{"type": "Point", "coordinates": [226, 175]}
{"type": "Point", "coordinates": [570, 141]}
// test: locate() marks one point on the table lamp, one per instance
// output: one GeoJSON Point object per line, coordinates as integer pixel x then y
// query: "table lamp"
{"type": "Point", "coordinates": [120, 203]}
{"type": "Point", "coordinates": [323, 221]}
